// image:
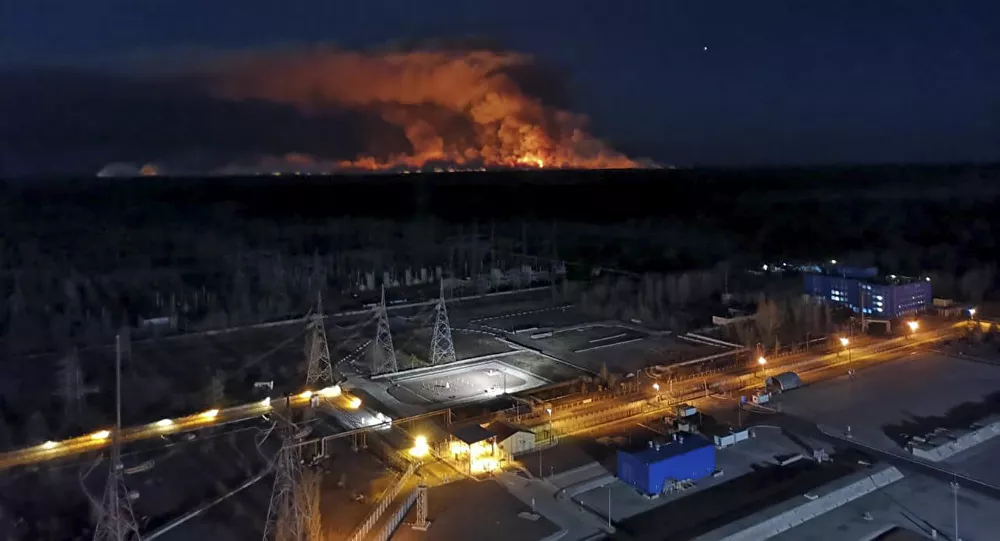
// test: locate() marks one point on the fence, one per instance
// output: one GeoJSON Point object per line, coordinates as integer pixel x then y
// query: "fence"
{"type": "Point", "coordinates": [390, 527]}
{"type": "Point", "coordinates": [569, 424]}
{"type": "Point", "coordinates": [383, 503]}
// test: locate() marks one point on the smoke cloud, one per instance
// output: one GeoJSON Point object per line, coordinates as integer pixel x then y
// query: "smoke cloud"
{"type": "Point", "coordinates": [461, 107]}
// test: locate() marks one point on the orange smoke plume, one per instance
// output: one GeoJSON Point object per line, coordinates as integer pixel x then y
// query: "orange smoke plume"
{"type": "Point", "coordinates": [456, 108]}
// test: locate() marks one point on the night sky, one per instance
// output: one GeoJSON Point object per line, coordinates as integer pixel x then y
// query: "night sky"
{"type": "Point", "coordinates": [780, 83]}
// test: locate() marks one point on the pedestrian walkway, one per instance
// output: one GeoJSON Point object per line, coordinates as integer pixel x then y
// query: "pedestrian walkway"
{"type": "Point", "coordinates": [570, 517]}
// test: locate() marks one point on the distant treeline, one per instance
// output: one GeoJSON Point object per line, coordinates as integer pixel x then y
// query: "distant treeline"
{"type": "Point", "coordinates": [80, 258]}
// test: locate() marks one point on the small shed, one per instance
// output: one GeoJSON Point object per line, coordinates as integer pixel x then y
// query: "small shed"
{"type": "Point", "coordinates": [650, 470]}
{"type": "Point", "coordinates": [513, 439]}
{"type": "Point", "coordinates": [784, 381]}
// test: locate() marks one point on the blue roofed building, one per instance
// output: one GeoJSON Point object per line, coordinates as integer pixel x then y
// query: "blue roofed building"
{"type": "Point", "coordinates": [652, 469]}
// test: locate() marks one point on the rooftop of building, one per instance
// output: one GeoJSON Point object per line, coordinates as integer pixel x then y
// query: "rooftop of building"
{"type": "Point", "coordinates": [471, 433]}
{"type": "Point", "coordinates": [867, 277]}
{"type": "Point", "coordinates": [656, 452]}
{"type": "Point", "coordinates": [503, 430]}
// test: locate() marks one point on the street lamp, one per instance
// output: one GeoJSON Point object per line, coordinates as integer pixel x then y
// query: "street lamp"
{"type": "Point", "coordinates": [763, 366]}
{"type": "Point", "coordinates": [847, 345]}
{"type": "Point", "coordinates": [914, 325]}
{"type": "Point", "coordinates": [540, 474]}
{"type": "Point", "coordinates": [656, 387]}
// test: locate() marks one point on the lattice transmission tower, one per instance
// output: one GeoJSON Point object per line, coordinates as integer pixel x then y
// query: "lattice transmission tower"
{"type": "Point", "coordinates": [320, 369]}
{"type": "Point", "coordinates": [383, 355]}
{"type": "Point", "coordinates": [293, 514]}
{"type": "Point", "coordinates": [442, 347]}
{"type": "Point", "coordinates": [115, 521]}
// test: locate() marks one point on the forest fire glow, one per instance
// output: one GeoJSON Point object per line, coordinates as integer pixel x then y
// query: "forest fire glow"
{"type": "Point", "coordinates": [456, 110]}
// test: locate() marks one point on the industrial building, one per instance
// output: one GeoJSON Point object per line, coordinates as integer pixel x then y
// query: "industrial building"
{"type": "Point", "coordinates": [512, 439]}
{"type": "Point", "coordinates": [863, 291]}
{"type": "Point", "coordinates": [658, 467]}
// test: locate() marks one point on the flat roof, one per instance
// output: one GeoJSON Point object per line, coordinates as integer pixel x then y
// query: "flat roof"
{"type": "Point", "coordinates": [471, 433]}
{"type": "Point", "coordinates": [880, 279]}
{"type": "Point", "coordinates": [685, 443]}
{"type": "Point", "coordinates": [504, 430]}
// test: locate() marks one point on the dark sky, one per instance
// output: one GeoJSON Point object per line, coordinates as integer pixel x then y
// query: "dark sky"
{"type": "Point", "coordinates": [782, 82]}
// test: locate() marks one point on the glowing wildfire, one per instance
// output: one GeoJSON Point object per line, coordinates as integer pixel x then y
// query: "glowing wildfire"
{"type": "Point", "coordinates": [461, 109]}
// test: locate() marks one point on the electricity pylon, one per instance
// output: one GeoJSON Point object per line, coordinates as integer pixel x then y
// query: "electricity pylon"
{"type": "Point", "coordinates": [293, 514]}
{"type": "Point", "coordinates": [115, 521]}
{"type": "Point", "coordinates": [320, 369]}
{"type": "Point", "coordinates": [383, 355]}
{"type": "Point", "coordinates": [442, 347]}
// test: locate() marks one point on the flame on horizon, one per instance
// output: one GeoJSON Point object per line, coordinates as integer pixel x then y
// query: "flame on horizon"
{"type": "Point", "coordinates": [457, 109]}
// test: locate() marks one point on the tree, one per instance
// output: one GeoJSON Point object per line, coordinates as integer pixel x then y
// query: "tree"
{"type": "Point", "coordinates": [976, 282]}
{"type": "Point", "coordinates": [768, 320]}
{"type": "Point", "coordinates": [36, 430]}
{"type": "Point", "coordinates": [217, 389]}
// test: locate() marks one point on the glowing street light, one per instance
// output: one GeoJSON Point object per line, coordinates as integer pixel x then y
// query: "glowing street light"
{"type": "Point", "coordinates": [163, 423]}
{"type": "Point", "coordinates": [330, 392]}
{"type": "Point", "coordinates": [210, 414]}
{"type": "Point", "coordinates": [914, 325]}
{"type": "Point", "coordinates": [266, 402]}
{"type": "Point", "coordinates": [656, 387]}
{"type": "Point", "coordinates": [972, 312]}
{"type": "Point", "coordinates": [49, 445]}
{"type": "Point", "coordinates": [305, 395]}
{"type": "Point", "coordinates": [420, 447]}
{"type": "Point", "coordinates": [844, 342]}
{"type": "Point", "coordinates": [354, 402]}
{"type": "Point", "coordinates": [763, 366]}
{"type": "Point", "coordinates": [833, 261]}
{"type": "Point", "coordinates": [100, 435]}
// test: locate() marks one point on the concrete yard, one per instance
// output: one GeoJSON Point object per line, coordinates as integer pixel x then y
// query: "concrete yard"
{"type": "Point", "coordinates": [459, 384]}
{"type": "Point", "coordinates": [623, 347]}
{"type": "Point", "coordinates": [886, 403]}
{"type": "Point", "coordinates": [479, 510]}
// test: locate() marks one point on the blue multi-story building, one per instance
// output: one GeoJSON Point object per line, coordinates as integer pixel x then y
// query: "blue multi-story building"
{"type": "Point", "coordinates": [886, 297]}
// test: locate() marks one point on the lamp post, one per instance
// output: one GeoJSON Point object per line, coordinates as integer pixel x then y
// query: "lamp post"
{"type": "Point", "coordinates": [914, 325]}
{"type": "Point", "coordinates": [763, 367]}
{"type": "Point", "coordinates": [847, 345]}
{"type": "Point", "coordinates": [656, 387]}
{"type": "Point", "coordinates": [954, 492]}
{"type": "Point", "coordinates": [540, 474]}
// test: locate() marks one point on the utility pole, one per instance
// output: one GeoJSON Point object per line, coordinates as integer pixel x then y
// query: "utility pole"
{"type": "Point", "coordinates": [116, 522]}
{"type": "Point", "coordinates": [319, 370]}
{"type": "Point", "coordinates": [442, 346]}
{"type": "Point", "coordinates": [954, 492]}
{"type": "Point", "coordinates": [293, 514]}
{"type": "Point", "coordinates": [383, 354]}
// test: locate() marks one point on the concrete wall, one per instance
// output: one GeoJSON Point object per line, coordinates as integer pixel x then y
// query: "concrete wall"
{"type": "Point", "coordinates": [789, 514]}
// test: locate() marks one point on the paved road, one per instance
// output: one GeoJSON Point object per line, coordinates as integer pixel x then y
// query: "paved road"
{"type": "Point", "coordinates": [98, 440]}
{"type": "Point", "coordinates": [216, 417]}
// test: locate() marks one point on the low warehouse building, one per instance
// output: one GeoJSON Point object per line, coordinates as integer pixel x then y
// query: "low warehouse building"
{"type": "Point", "coordinates": [514, 440]}
{"type": "Point", "coordinates": [659, 466]}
